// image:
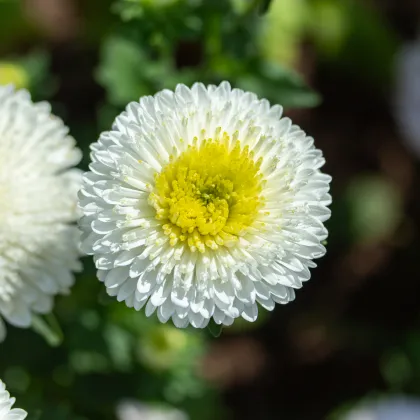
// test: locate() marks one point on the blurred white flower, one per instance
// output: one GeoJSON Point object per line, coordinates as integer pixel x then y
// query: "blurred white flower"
{"type": "Point", "coordinates": [132, 410]}
{"type": "Point", "coordinates": [202, 203]}
{"type": "Point", "coordinates": [38, 195]}
{"type": "Point", "coordinates": [407, 106]}
{"type": "Point", "coordinates": [6, 403]}
{"type": "Point", "coordinates": [393, 409]}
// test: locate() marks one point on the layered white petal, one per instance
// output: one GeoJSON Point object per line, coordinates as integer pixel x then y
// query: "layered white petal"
{"type": "Point", "coordinates": [38, 192]}
{"type": "Point", "coordinates": [267, 261]}
{"type": "Point", "coordinates": [6, 404]}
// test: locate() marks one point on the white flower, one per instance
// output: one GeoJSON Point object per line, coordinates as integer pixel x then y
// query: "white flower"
{"type": "Point", "coordinates": [203, 202]}
{"type": "Point", "coordinates": [6, 403]}
{"type": "Point", "coordinates": [398, 408]}
{"type": "Point", "coordinates": [38, 196]}
{"type": "Point", "coordinates": [132, 410]}
{"type": "Point", "coordinates": [407, 109]}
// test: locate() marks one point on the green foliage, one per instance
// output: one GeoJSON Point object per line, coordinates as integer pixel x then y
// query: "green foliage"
{"type": "Point", "coordinates": [30, 71]}
{"type": "Point", "coordinates": [279, 84]}
{"type": "Point", "coordinates": [148, 55]}
{"type": "Point", "coordinates": [13, 25]}
{"type": "Point", "coordinates": [120, 71]}
{"type": "Point", "coordinates": [36, 65]}
{"type": "Point", "coordinates": [356, 38]}
{"type": "Point", "coordinates": [375, 208]}
{"type": "Point", "coordinates": [283, 29]}
{"type": "Point", "coordinates": [396, 369]}
{"type": "Point", "coordinates": [330, 25]}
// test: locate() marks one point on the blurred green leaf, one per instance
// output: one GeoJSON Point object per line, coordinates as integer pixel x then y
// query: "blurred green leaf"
{"type": "Point", "coordinates": [375, 208]}
{"type": "Point", "coordinates": [120, 346]}
{"type": "Point", "coordinates": [138, 9]}
{"type": "Point", "coordinates": [86, 362]}
{"type": "Point", "coordinates": [396, 369]}
{"type": "Point", "coordinates": [280, 85]}
{"type": "Point", "coordinates": [329, 26]}
{"type": "Point", "coordinates": [30, 71]}
{"type": "Point", "coordinates": [41, 83]}
{"type": "Point", "coordinates": [282, 31]}
{"type": "Point", "coordinates": [162, 346]}
{"type": "Point", "coordinates": [121, 71]}
{"type": "Point", "coordinates": [13, 25]}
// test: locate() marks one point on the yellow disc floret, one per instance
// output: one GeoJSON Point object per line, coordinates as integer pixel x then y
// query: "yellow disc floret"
{"type": "Point", "coordinates": [209, 195]}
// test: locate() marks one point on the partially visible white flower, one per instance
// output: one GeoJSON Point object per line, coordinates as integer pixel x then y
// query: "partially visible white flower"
{"type": "Point", "coordinates": [203, 203]}
{"type": "Point", "coordinates": [6, 403]}
{"type": "Point", "coordinates": [407, 101]}
{"type": "Point", "coordinates": [399, 408]}
{"type": "Point", "coordinates": [38, 196]}
{"type": "Point", "coordinates": [133, 410]}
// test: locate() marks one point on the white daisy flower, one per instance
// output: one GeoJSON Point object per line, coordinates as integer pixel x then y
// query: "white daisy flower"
{"type": "Point", "coordinates": [203, 203]}
{"type": "Point", "coordinates": [407, 95]}
{"type": "Point", "coordinates": [6, 403]}
{"type": "Point", "coordinates": [38, 195]}
{"type": "Point", "coordinates": [397, 408]}
{"type": "Point", "coordinates": [133, 410]}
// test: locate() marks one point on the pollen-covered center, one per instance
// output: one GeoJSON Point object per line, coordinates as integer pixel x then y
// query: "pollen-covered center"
{"type": "Point", "coordinates": [209, 195]}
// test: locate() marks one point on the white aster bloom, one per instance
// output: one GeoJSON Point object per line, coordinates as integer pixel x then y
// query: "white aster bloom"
{"type": "Point", "coordinates": [38, 195]}
{"type": "Point", "coordinates": [398, 408]}
{"type": "Point", "coordinates": [202, 203]}
{"type": "Point", "coordinates": [6, 403]}
{"type": "Point", "coordinates": [133, 410]}
{"type": "Point", "coordinates": [407, 95]}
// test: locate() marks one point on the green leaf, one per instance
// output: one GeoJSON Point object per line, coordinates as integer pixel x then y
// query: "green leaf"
{"type": "Point", "coordinates": [329, 26]}
{"type": "Point", "coordinates": [375, 208]}
{"type": "Point", "coordinates": [37, 64]}
{"type": "Point", "coordinates": [396, 369]}
{"type": "Point", "coordinates": [30, 71]}
{"type": "Point", "coordinates": [280, 85]}
{"type": "Point", "coordinates": [119, 346]}
{"type": "Point", "coordinates": [122, 70]}
{"type": "Point", "coordinates": [283, 28]}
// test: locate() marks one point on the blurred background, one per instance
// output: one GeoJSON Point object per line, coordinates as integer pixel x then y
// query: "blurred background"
{"type": "Point", "coordinates": [348, 72]}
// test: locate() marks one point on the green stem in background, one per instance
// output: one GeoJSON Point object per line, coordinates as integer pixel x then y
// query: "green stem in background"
{"type": "Point", "coordinates": [48, 327]}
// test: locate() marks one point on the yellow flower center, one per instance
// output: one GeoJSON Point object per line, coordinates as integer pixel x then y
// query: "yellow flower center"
{"type": "Point", "coordinates": [209, 195]}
